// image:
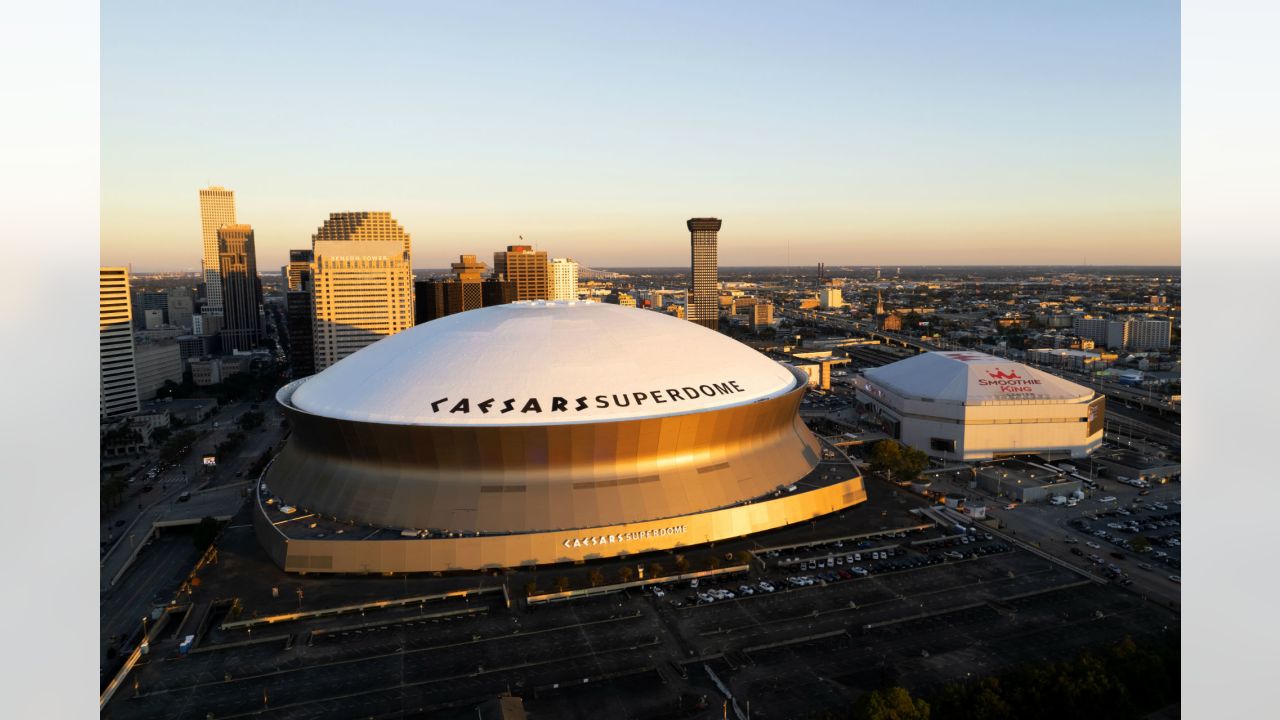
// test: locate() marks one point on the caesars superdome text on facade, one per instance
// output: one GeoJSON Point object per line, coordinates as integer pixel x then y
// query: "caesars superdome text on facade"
{"type": "Point", "coordinates": [578, 403]}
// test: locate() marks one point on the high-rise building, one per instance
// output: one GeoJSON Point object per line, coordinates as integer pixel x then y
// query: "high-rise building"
{"type": "Point", "coordinates": [241, 293]}
{"type": "Point", "coordinates": [217, 208]}
{"type": "Point", "coordinates": [761, 315]}
{"type": "Point", "coordinates": [468, 290]}
{"type": "Point", "coordinates": [362, 283]}
{"type": "Point", "coordinates": [564, 279]}
{"type": "Point", "coordinates": [498, 292]}
{"type": "Point", "coordinates": [1150, 334]}
{"type": "Point", "coordinates": [704, 292]}
{"type": "Point", "coordinates": [118, 386]}
{"type": "Point", "coordinates": [152, 319]}
{"type": "Point", "coordinates": [299, 263]}
{"type": "Point", "coordinates": [157, 363]}
{"type": "Point", "coordinates": [830, 297]}
{"type": "Point", "coordinates": [298, 319]}
{"type": "Point", "coordinates": [527, 268]}
{"type": "Point", "coordinates": [181, 307]}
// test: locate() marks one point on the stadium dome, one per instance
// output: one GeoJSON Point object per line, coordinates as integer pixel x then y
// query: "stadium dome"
{"type": "Point", "coordinates": [972, 378]}
{"type": "Point", "coordinates": [531, 363]}
{"type": "Point", "coordinates": [970, 406]}
{"type": "Point", "coordinates": [540, 432]}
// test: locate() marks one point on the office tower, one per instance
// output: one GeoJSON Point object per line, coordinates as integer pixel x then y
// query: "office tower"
{"type": "Point", "coordinates": [299, 326]}
{"type": "Point", "coordinates": [497, 292]}
{"type": "Point", "coordinates": [157, 363]}
{"type": "Point", "coordinates": [152, 319]}
{"type": "Point", "coordinates": [879, 303]}
{"type": "Point", "coordinates": [468, 290]}
{"type": "Point", "coordinates": [217, 208]}
{"type": "Point", "coordinates": [527, 268]}
{"type": "Point", "coordinates": [181, 307]}
{"type": "Point", "coordinates": [830, 297]}
{"type": "Point", "coordinates": [241, 295]}
{"type": "Point", "coordinates": [761, 315]}
{"type": "Point", "coordinates": [118, 380]}
{"type": "Point", "coordinates": [564, 279]}
{"type": "Point", "coordinates": [704, 300]}
{"type": "Point", "coordinates": [299, 263]}
{"type": "Point", "coordinates": [362, 283]}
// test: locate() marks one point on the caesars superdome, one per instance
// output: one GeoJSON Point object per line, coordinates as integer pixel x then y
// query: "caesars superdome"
{"type": "Point", "coordinates": [539, 432]}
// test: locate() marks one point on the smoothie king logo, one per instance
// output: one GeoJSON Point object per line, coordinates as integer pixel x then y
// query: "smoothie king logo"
{"type": "Point", "coordinates": [1008, 382]}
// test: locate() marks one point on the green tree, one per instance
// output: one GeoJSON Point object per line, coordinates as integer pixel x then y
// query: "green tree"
{"type": "Point", "coordinates": [682, 563]}
{"type": "Point", "coordinates": [894, 703]}
{"type": "Point", "coordinates": [626, 574]}
{"type": "Point", "coordinates": [595, 577]}
{"type": "Point", "coordinates": [654, 569]}
{"type": "Point", "coordinates": [1140, 544]}
{"type": "Point", "coordinates": [713, 563]}
{"type": "Point", "coordinates": [885, 456]}
{"type": "Point", "coordinates": [911, 462]}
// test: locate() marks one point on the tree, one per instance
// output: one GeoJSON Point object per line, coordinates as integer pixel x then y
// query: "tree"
{"type": "Point", "coordinates": [682, 563]}
{"type": "Point", "coordinates": [205, 532]}
{"type": "Point", "coordinates": [911, 462]}
{"type": "Point", "coordinates": [626, 574]}
{"type": "Point", "coordinates": [1140, 544]}
{"type": "Point", "coordinates": [595, 577]}
{"type": "Point", "coordinates": [885, 456]}
{"type": "Point", "coordinates": [562, 583]}
{"type": "Point", "coordinates": [654, 570]}
{"type": "Point", "coordinates": [713, 563]}
{"type": "Point", "coordinates": [531, 588]}
{"type": "Point", "coordinates": [894, 703]}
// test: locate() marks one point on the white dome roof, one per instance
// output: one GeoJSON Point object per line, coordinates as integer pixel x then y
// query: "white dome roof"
{"type": "Point", "coordinates": [539, 362]}
{"type": "Point", "coordinates": [973, 378]}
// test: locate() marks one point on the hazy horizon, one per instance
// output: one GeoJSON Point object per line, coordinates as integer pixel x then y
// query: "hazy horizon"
{"type": "Point", "coordinates": [929, 134]}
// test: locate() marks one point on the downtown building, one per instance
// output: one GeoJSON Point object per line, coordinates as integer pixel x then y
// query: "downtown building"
{"type": "Point", "coordinates": [704, 287]}
{"type": "Point", "coordinates": [362, 283]}
{"type": "Point", "coordinates": [547, 442]}
{"type": "Point", "coordinates": [564, 279]}
{"type": "Point", "coordinates": [241, 289]}
{"type": "Point", "coordinates": [527, 268]}
{"type": "Point", "coordinates": [118, 380]}
{"type": "Point", "coordinates": [217, 208]}
{"type": "Point", "coordinates": [468, 290]}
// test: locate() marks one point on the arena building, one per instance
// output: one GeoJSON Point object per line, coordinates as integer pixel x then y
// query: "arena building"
{"type": "Point", "coordinates": [540, 432]}
{"type": "Point", "coordinates": [971, 406]}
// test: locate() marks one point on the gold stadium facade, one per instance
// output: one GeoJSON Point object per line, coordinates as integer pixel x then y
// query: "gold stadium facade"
{"type": "Point", "coordinates": [361, 476]}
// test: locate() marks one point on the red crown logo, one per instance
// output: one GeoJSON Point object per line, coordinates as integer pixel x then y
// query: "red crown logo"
{"type": "Point", "coordinates": [1002, 375]}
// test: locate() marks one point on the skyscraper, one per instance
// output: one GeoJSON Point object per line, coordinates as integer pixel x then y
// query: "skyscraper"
{"type": "Point", "coordinates": [704, 288]}
{"type": "Point", "coordinates": [217, 208]}
{"type": "Point", "coordinates": [468, 290]}
{"type": "Point", "coordinates": [564, 279]}
{"type": "Point", "coordinates": [362, 283]}
{"type": "Point", "coordinates": [241, 297]}
{"type": "Point", "coordinates": [527, 268]}
{"type": "Point", "coordinates": [299, 263]}
{"type": "Point", "coordinates": [118, 391]}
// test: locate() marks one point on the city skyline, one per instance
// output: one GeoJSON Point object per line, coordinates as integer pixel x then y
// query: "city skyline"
{"type": "Point", "coordinates": [1025, 135]}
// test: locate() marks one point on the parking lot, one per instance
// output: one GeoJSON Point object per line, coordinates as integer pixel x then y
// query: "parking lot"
{"type": "Point", "coordinates": [813, 624]}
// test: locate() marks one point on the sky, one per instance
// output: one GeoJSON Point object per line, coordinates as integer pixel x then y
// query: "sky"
{"type": "Point", "coordinates": [859, 133]}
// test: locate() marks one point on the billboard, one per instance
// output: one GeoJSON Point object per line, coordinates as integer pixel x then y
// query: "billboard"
{"type": "Point", "coordinates": [1097, 415]}
{"type": "Point", "coordinates": [210, 460]}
